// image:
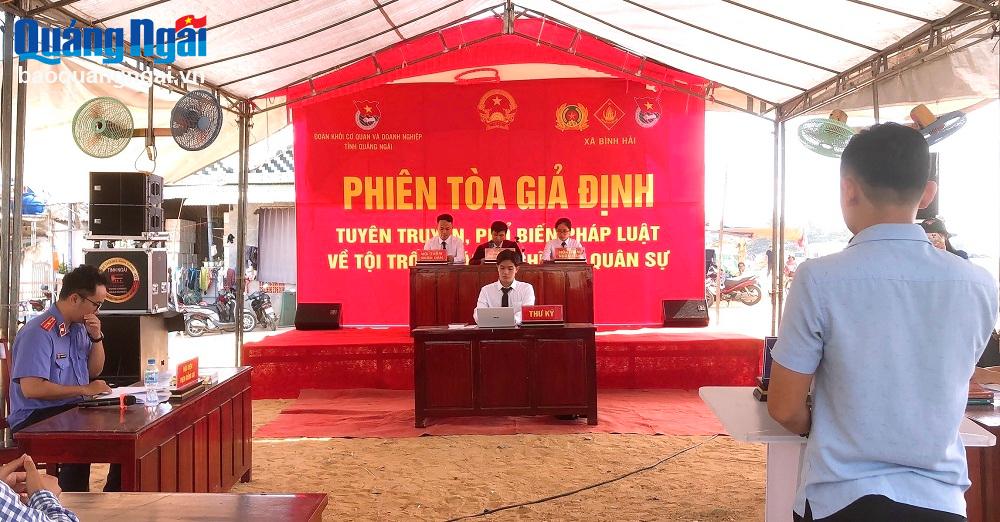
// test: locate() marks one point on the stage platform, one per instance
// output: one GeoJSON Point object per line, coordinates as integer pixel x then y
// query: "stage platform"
{"type": "Point", "coordinates": [382, 358]}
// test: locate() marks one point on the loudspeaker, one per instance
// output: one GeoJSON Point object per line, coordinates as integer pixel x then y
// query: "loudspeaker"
{"type": "Point", "coordinates": [139, 283]}
{"type": "Point", "coordinates": [125, 220]}
{"type": "Point", "coordinates": [932, 210]}
{"type": "Point", "coordinates": [126, 188]}
{"type": "Point", "coordinates": [685, 312]}
{"type": "Point", "coordinates": [317, 316]}
{"type": "Point", "coordinates": [128, 341]}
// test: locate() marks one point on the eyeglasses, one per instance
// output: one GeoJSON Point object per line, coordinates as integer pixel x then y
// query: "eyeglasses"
{"type": "Point", "coordinates": [95, 303]}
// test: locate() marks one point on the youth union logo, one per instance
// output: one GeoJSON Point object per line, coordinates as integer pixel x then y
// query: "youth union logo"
{"type": "Point", "coordinates": [50, 44]}
{"type": "Point", "coordinates": [368, 114]}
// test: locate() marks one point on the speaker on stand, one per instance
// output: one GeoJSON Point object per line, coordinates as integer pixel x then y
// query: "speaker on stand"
{"type": "Point", "coordinates": [128, 206]}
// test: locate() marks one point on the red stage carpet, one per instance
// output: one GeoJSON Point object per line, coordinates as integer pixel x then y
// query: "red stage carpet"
{"type": "Point", "coordinates": [389, 414]}
{"type": "Point", "coordinates": [382, 358]}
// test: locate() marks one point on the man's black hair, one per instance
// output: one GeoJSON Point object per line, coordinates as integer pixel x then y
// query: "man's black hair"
{"type": "Point", "coordinates": [564, 221]}
{"type": "Point", "coordinates": [507, 255]}
{"type": "Point", "coordinates": [445, 217]}
{"type": "Point", "coordinates": [891, 161]}
{"type": "Point", "coordinates": [498, 226]}
{"type": "Point", "coordinates": [83, 280]}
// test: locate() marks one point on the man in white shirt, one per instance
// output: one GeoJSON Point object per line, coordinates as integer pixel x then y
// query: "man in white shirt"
{"type": "Point", "coordinates": [886, 333]}
{"type": "Point", "coordinates": [446, 241]}
{"type": "Point", "coordinates": [507, 291]}
{"type": "Point", "coordinates": [563, 229]}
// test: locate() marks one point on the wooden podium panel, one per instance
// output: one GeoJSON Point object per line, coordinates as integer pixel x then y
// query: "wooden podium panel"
{"type": "Point", "coordinates": [983, 498]}
{"type": "Point", "coordinates": [550, 370]}
{"type": "Point", "coordinates": [445, 294]}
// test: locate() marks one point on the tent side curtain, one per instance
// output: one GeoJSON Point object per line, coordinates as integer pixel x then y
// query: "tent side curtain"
{"type": "Point", "coordinates": [276, 240]}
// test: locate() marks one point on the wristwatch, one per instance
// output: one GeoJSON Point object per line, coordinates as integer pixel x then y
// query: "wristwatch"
{"type": "Point", "coordinates": [97, 340]}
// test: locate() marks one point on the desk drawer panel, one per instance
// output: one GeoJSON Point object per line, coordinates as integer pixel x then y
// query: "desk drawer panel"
{"type": "Point", "coordinates": [503, 374]}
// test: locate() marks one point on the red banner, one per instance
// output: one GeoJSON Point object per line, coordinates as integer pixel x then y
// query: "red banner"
{"type": "Point", "coordinates": [624, 163]}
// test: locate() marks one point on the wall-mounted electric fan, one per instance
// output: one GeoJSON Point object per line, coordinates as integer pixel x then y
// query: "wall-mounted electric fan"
{"type": "Point", "coordinates": [936, 128]}
{"type": "Point", "coordinates": [826, 136]}
{"type": "Point", "coordinates": [102, 127]}
{"type": "Point", "coordinates": [196, 120]}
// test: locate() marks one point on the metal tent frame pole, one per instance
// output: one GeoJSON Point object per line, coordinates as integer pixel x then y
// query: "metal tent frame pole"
{"type": "Point", "coordinates": [245, 122]}
{"type": "Point", "coordinates": [780, 253]}
{"type": "Point", "coordinates": [7, 330]}
{"type": "Point", "coordinates": [774, 264]}
{"type": "Point", "coordinates": [16, 250]}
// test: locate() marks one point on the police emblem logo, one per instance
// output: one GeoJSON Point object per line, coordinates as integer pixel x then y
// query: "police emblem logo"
{"type": "Point", "coordinates": [48, 323]}
{"type": "Point", "coordinates": [497, 109]}
{"type": "Point", "coordinates": [609, 114]}
{"type": "Point", "coordinates": [571, 116]}
{"type": "Point", "coordinates": [367, 115]}
{"type": "Point", "coordinates": [647, 112]}
{"type": "Point", "coordinates": [62, 329]}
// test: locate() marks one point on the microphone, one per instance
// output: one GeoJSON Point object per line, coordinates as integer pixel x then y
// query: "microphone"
{"type": "Point", "coordinates": [108, 401]}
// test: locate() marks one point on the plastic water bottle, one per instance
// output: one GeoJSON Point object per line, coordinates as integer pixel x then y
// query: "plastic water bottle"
{"type": "Point", "coordinates": [151, 379]}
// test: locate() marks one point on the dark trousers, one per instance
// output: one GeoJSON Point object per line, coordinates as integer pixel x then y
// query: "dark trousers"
{"type": "Point", "coordinates": [72, 477]}
{"type": "Point", "coordinates": [879, 508]}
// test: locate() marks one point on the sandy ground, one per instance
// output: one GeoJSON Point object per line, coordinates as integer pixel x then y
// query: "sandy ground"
{"type": "Point", "coordinates": [439, 478]}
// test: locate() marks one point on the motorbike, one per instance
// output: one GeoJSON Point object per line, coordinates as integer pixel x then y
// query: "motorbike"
{"type": "Point", "coordinates": [217, 318]}
{"type": "Point", "coordinates": [260, 303]}
{"type": "Point", "coordinates": [28, 310]}
{"type": "Point", "coordinates": [743, 289]}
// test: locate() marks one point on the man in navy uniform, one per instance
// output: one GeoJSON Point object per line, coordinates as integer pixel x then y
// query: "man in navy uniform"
{"type": "Point", "coordinates": [55, 357]}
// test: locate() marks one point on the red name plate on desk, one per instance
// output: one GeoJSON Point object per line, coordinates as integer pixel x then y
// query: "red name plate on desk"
{"type": "Point", "coordinates": [492, 253]}
{"type": "Point", "coordinates": [187, 373]}
{"type": "Point", "coordinates": [546, 314]}
{"type": "Point", "coordinates": [567, 254]}
{"type": "Point", "coordinates": [432, 256]}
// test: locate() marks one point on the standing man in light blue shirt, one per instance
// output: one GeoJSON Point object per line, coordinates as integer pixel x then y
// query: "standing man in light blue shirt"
{"type": "Point", "coordinates": [889, 331]}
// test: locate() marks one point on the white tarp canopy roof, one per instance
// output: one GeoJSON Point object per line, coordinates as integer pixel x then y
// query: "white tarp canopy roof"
{"type": "Point", "coordinates": [773, 50]}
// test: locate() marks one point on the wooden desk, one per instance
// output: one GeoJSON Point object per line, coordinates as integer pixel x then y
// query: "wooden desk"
{"type": "Point", "coordinates": [445, 294]}
{"type": "Point", "coordinates": [200, 445]}
{"type": "Point", "coordinates": [189, 507]}
{"type": "Point", "coordinates": [747, 420]}
{"type": "Point", "coordinates": [505, 371]}
{"type": "Point", "coordinates": [984, 467]}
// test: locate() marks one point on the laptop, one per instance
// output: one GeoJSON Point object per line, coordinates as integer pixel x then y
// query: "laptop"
{"type": "Point", "coordinates": [496, 317]}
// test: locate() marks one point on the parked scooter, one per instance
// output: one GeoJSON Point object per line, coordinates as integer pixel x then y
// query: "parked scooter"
{"type": "Point", "coordinates": [28, 310]}
{"type": "Point", "coordinates": [217, 318]}
{"type": "Point", "coordinates": [743, 289]}
{"type": "Point", "coordinates": [260, 303]}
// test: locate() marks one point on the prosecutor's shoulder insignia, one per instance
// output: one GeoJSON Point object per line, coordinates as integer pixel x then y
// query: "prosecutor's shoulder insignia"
{"type": "Point", "coordinates": [571, 116]}
{"type": "Point", "coordinates": [48, 323]}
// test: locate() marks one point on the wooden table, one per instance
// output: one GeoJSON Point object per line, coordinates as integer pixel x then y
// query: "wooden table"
{"type": "Point", "coordinates": [200, 445]}
{"type": "Point", "coordinates": [747, 420]}
{"type": "Point", "coordinates": [190, 507]}
{"type": "Point", "coordinates": [446, 294]}
{"type": "Point", "coordinates": [549, 370]}
{"type": "Point", "coordinates": [984, 467]}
